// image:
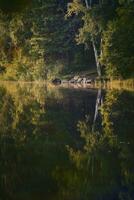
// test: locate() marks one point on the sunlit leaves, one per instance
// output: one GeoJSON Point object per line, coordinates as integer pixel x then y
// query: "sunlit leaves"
{"type": "Point", "coordinates": [118, 45]}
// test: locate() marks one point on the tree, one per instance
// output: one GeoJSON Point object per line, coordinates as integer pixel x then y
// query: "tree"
{"type": "Point", "coordinates": [95, 17]}
{"type": "Point", "coordinates": [118, 45]}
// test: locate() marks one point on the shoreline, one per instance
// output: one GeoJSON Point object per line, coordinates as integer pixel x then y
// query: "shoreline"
{"type": "Point", "coordinates": [127, 84]}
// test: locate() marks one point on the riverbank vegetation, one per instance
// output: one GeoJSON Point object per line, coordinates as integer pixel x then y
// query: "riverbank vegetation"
{"type": "Point", "coordinates": [48, 38]}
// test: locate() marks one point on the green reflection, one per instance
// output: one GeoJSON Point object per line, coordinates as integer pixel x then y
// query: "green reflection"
{"type": "Point", "coordinates": [105, 164]}
{"type": "Point", "coordinates": [42, 156]}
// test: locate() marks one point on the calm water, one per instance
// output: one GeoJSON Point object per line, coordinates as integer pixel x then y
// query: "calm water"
{"type": "Point", "coordinates": [66, 144]}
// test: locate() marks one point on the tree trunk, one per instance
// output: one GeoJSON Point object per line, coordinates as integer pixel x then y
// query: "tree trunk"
{"type": "Point", "coordinates": [96, 58]}
{"type": "Point", "coordinates": [94, 46]}
{"type": "Point", "coordinates": [99, 102]}
{"type": "Point", "coordinates": [87, 5]}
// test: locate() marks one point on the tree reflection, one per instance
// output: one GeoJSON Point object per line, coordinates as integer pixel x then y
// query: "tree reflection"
{"type": "Point", "coordinates": [30, 150]}
{"type": "Point", "coordinates": [106, 159]}
{"type": "Point", "coordinates": [39, 158]}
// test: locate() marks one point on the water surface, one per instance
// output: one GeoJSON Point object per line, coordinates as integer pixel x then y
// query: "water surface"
{"type": "Point", "coordinates": [66, 144]}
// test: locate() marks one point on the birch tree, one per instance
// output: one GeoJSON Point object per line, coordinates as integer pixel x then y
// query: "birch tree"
{"type": "Point", "coordinates": [77, 7]}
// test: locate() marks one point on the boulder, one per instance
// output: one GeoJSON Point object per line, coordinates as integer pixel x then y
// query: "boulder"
{"type": "Point", "coordinates": [84, 80]}
{"type": "Point", "coordinates": [72, 81]}
{"type": "Point", "coordinates": [56, 81]}
{"type": "Point", "coordinates": [65, 81]}
{"type": "Point", "coordinates": [79, 80]}
{"type": "Point", "coordinates": [76, 78]}
{"type": "Point", "coordinates": [89, 81]}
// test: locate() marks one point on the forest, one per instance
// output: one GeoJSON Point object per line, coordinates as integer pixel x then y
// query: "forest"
{"type": "Point", "coordinates": [41, 39]}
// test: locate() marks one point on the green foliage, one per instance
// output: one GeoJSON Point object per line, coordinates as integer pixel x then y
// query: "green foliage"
{"type": "Point", "coordinates": [107, 153]}
{"type": "Point", "coordinates": [108, 25]}
{"type": "Point", "coordinates": [49, 38]}
{"type": "Point", "coordinates": [38, 46]}
{"type": "Point", "coordinates": [118, 45]}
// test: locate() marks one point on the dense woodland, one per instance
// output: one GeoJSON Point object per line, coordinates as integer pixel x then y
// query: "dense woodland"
{"type": "Point", "coordinates": [40, 39]}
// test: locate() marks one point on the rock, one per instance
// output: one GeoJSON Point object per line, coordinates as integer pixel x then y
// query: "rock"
{"type": "Point", "coordinates": [56, 81]}
{"type": "Point", "coordinates": [76, 78]}
{"type": "Point", "coordinates": [64, 81]}
{"type": "Point", "coordinates": [79, 80]}
{"type": "Point", "coordinates": [84, 80]}
{"type": "Point", "coordinates": [72, 81]}
{"type": "Point", "coordinates": [88, 81]}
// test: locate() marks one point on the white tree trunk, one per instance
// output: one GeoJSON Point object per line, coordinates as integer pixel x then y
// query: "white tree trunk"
{"type": "Point", "coordinates": [94, 46]}
{"type": "Point", "coordinates": [99, 102]}
{"type": "Point", "coordinates": [96, 58]}
{"type": "Point", "coordinates": [87, 5]}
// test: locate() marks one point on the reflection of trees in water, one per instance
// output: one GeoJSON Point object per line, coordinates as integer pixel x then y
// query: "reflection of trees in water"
{"type": "Point", "coordinates": [99, 102]}
{"type": "Point", "coordinates": [29, 152]}
{"type": "Point", "coordinates": [34, 160]}
{"type": "Point", "coordinates": [106, 160]}
{"type": "Point", "coordinates": [33, 136]}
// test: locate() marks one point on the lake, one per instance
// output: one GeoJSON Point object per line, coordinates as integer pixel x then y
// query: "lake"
{"type": "Point", "coordinates": [62, 143]}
